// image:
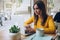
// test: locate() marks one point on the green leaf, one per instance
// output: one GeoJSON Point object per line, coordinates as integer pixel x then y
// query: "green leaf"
{"type": "Point", "coordinates": [14, 29]}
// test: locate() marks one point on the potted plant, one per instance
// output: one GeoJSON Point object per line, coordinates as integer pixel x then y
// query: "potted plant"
{"type": "Point", "coordinates": [15, 32]}
{"type": "Point", "coordinates": [14, 29]}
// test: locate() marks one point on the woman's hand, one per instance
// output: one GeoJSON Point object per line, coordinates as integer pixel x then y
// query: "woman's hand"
{"type": "Point", "coordinates": [29, 29]}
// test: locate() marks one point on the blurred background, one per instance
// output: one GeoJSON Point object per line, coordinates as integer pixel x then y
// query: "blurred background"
{"type": "Point", "coordinates": [17, 11]}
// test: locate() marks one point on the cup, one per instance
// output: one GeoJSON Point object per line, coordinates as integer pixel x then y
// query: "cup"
{"type": "Point", "coordinates": [40, 32]}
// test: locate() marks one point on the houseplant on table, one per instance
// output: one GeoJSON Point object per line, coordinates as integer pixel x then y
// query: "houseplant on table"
{"type": "Point", "coordinates": [15, 32]}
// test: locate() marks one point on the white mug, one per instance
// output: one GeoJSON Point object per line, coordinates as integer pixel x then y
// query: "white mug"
{"type": "Point", "coordinates": [40, 32]}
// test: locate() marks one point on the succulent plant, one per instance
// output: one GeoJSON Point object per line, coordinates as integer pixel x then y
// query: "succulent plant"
{"type": "Point", "coordinates": [14, 29]}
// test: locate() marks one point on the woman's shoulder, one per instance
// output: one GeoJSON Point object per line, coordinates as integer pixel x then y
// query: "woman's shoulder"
{"type": "Point", "coordinates": [32, 17]}
{"type": "Point", "coordinates": [50, 17]}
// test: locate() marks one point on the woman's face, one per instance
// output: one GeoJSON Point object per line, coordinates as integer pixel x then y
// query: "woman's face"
{"type": "Point", "coordinates": [37, 11]}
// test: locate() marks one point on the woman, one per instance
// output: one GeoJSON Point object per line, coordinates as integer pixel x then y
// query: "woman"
{"type": "Point", "coordinates": [40, 19]}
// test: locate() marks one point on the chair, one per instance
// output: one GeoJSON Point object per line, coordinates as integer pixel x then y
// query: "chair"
{"type": "Point", "coordinates": [57, 23]}
{"type": "Point", "coordinates": [57, 17]}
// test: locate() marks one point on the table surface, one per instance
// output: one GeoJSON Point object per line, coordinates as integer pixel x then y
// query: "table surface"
{"type": "Point", "coordinates": [5, 35]}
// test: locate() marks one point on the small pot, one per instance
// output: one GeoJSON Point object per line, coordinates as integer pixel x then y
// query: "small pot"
{"type": "Point", "coordinates": [15, 36]}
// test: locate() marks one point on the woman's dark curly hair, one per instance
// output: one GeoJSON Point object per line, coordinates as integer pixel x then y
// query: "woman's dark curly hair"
{"type": "Point", "coordinates": [41, 6]}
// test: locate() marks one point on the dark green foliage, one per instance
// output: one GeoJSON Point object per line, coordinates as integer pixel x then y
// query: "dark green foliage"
{"type": "Point", "coordinates": [14, 29]}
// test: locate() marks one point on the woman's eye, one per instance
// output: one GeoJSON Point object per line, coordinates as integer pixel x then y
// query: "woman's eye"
{"type": "Point", "coordinates": [36, 8]}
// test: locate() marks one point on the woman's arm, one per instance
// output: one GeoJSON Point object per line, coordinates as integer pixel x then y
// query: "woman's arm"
{"type": "Point", "coordinates": [29, 21]}
{"type": "Point", "coordinates": [51, 26]}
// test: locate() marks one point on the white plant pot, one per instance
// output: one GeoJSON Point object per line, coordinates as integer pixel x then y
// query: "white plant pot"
{"type": "Point", "coordinates": [15, 36]}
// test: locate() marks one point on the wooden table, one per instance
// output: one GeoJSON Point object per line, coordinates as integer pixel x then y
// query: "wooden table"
{"type": "Point", "coordinates": [5, 35]}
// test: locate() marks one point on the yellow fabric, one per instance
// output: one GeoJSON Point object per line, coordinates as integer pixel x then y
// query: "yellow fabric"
{"type": "Point", "coordinates": [49, 26]}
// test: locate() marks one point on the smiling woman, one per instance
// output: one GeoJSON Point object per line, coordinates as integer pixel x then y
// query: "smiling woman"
{"type": "Point", "coordinates": [41, 19]}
